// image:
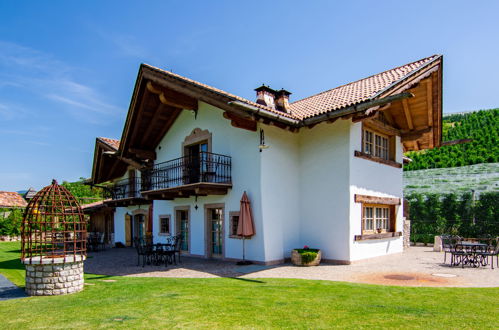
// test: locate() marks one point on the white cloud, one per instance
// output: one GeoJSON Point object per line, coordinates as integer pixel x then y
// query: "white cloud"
{"type": "Point", "coordinates": [36, 72]}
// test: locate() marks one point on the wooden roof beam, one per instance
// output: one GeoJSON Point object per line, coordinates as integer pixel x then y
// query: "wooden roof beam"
{"type": "Point", "coordinates": [407, 114]}
{"type": "Point", "coordinates": [156, 117]}
{"type": "Point", "coordinates": [172, 98]}
{"type": "Point", "coordinates": [143, 153]}
{"type": "Point", "coordinates": [414, 135]}
{"type": "Point", "coordinates": [128, 161]}
{"type": "Point", "coordinates": [429, 105]}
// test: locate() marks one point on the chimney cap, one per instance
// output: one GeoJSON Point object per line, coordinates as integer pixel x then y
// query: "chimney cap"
{"type": "Point", "coordinates": [283, 92]}
{"type": "Point", "coordinates": [266, 89]}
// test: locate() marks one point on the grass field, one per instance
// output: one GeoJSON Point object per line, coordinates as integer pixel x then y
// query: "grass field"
{"type": "Point", "coordinates": [129, 302]}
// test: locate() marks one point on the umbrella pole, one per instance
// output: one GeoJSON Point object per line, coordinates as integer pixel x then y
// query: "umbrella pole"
{"type": "Point", "coordinates": [244, 239]}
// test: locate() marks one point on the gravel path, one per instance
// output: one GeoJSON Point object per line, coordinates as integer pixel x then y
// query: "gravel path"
{"type": "Point", "coordinates": [417, 266]}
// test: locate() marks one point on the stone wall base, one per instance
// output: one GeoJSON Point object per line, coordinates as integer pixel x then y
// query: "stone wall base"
{"type": "Point", "coordinates": [407, 234]}
{"type": "Point", "coordinates": [54, 279]}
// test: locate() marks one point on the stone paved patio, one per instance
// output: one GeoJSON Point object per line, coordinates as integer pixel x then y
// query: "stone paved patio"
{"type": "Point", "coordinates": [417, 266]}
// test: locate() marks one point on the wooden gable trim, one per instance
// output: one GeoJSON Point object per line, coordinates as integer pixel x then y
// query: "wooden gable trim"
{"type": "Point", "coordinates": [366, 199]}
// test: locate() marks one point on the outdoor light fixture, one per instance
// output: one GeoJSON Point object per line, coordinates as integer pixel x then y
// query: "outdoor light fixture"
{"type": "Point", "coordinates": [262, 141]}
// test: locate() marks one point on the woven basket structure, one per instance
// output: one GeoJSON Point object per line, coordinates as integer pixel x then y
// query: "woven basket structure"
{"type": "Point", "coordinates": [53, 228]}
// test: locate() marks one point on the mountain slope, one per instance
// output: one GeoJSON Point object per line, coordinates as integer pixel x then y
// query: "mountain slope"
{"type": "Point", "coordinates": [481, 126]}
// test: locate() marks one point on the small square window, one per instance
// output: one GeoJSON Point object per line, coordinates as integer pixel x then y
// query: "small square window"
{"type": "Point", "coordinates": [234, 223]}
{"type": "Point", "coordinates": [164, 225]}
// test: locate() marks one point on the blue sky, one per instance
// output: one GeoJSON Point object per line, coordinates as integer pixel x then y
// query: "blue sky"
{"type": "Point", "coordinates": [67, 68]}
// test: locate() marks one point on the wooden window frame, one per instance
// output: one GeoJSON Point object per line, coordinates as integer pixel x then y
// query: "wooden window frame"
{"type": "Point", "coordinates": [374, 202]}
{"type": "Point", "coordinates": [232, 234]}
{"type": "Point", "coordinates": [388, 226]}
{"type": "Point", "coordinates": [374, 145]}
{"type": "Point", "coordinates": [160, 227]}
{"type": "Point", "coordinates": [370, 153]}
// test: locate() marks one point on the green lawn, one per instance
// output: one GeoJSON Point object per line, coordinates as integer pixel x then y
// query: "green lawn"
{"type": "Point", "coordinates": [228, 303]}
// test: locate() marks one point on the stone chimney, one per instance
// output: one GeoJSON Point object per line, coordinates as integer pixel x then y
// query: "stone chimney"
{"type": "Point", "coordinates": [282, 100]}
{"type": "Point", "coordinates": [266, 96]}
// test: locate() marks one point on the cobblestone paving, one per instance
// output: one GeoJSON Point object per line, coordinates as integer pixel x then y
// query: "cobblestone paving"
{"type": "Point", "coordinates": [417, 266]}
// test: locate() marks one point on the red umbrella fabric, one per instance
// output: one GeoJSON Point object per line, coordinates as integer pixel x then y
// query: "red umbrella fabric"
{"type": "Point", "coordinates": [245, 226]}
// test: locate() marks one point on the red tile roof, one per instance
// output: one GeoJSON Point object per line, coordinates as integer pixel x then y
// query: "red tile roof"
{"type": "Point", "coordinates": [88, 208]}
{"type": "Point", "coordinates": [115, 144]}
{"type": "Point", "coordinates": [11, 199]}
{"type": "Point", "coordinates": [334, 99]}
{"type": "Point", "coordinates": [355, 92]}
{"type": "Point", "coordinates": [217, 91]}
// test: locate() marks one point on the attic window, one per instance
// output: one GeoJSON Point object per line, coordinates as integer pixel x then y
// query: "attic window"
{"type": "Point", "coordinates": [376, 144]}
{"type": "Point", "coordinates": [378, 147]}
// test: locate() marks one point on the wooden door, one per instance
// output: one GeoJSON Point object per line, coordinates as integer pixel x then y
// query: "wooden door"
{"type": "Point", "coordinates": [128, 230]}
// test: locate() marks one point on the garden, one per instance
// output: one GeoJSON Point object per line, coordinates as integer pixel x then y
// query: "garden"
{"type": "Point", "coordinates": [456, 214]}
{"type": "Point", "coordinates": [138, 302]}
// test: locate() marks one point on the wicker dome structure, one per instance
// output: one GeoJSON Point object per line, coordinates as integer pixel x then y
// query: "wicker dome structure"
{"type": "Point", "coordinates": [53, 228]}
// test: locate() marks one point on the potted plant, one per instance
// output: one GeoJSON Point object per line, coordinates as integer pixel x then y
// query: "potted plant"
{"type": "Point", "coordinates": [306, 256]}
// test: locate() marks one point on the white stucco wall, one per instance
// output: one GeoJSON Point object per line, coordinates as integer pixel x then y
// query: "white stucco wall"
{"type": "Point", "coordinates": [242, 146]}
{"type": "Point", "coordinates": [280, 191]}
{"type": "Point", "coordinates": [324, 184]}
{"type": "Point", "coordinates": [375, 179]}
{"type": "Point", "coordinates": [301, 188]}
{"type": "Point", "coordinates": [119, 221]}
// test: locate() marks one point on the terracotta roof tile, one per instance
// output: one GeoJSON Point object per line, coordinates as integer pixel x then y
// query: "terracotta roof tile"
{"type": "Point", "coordinates": [11, 199]}
{"type": "Point", "coordinates": [219, 91]}
{"type": "Point", "coordinates": [115, 144]}
{"type": "Point", "coordinates": [330, 100]}
{"type": "Point", "coordinates": [354, 92]}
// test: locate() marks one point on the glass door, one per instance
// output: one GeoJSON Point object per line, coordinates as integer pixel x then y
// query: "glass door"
{"type": "Point", "coordinates": [183, 229]}
{"type": "Point", "coordinates": [139, 227]}
{"type": "Point", "coordinates": [216, 232]}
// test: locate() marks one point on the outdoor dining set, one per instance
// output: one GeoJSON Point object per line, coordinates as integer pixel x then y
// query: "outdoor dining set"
{"type": "Point", "coordinates": [471, 252]}
{"type": "Point", "coordinates": [159, 253]}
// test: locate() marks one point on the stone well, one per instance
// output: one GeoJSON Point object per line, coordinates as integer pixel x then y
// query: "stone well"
{"type": "Point", "coordinates": [54, 276]}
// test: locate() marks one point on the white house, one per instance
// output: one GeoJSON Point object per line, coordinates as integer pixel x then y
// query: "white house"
{"type": "Point", "coordinates": [324, 171]}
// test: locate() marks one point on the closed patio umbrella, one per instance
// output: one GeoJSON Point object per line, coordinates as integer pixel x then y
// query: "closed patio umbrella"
{"type": "Point", "coordinates": [245, 227]}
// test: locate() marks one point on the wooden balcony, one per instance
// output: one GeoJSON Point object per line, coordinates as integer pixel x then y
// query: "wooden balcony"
{"type": "Point", "coordinates": [126, 192]}
{"type": "Point", "coordinates": [201, 174]}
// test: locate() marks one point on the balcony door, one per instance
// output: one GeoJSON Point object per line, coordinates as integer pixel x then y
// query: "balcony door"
{"type": "Point", "coordinates": [194, 161]}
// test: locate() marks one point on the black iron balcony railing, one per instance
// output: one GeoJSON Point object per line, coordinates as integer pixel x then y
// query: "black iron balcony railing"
{"type": "Point", "coordinates": [198, 168]}
{"type": "Point", "coordinates": [126, 188]}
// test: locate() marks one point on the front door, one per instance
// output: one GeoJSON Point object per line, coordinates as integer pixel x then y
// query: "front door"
{"type": "Point", "coordinates": [215, 232]}
{"type": "Point", "coordinates": [128, 230]}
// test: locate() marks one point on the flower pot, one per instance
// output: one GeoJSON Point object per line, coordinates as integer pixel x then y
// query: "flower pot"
{"type": "Point", "coordinates": [297, 260]}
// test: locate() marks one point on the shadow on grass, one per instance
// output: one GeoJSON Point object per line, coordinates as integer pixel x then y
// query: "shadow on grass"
{"type": "Point", "coordinates": [11, 264]}
{"type": "Point", "coordinates": [246, 280]}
